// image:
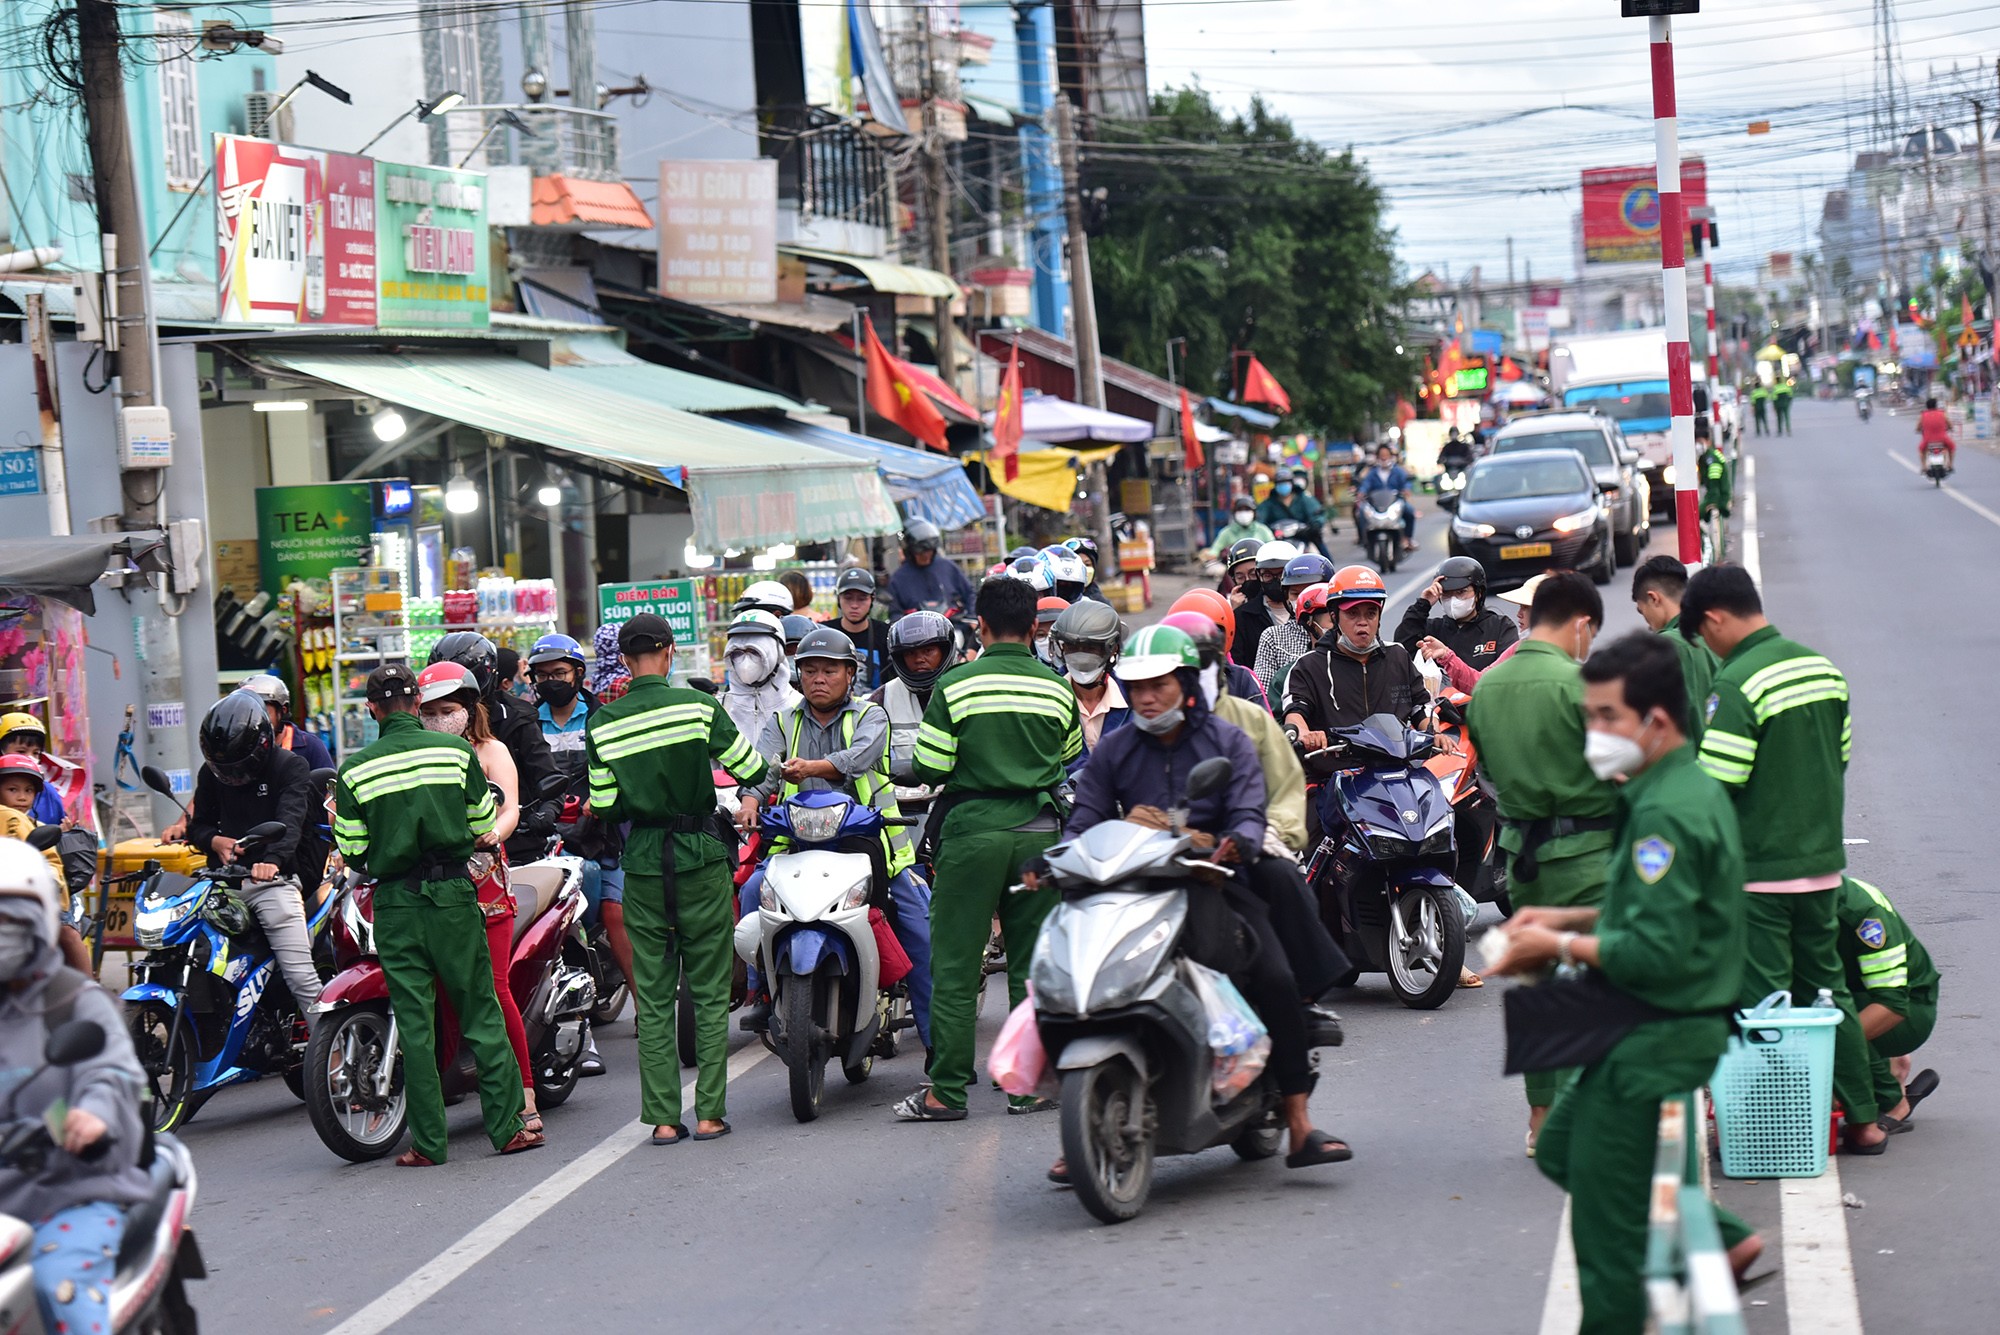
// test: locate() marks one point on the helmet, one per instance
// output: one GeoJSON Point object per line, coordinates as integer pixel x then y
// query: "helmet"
{"type": "Point", "coordinates": [794, 628]}
{"type": "Point", "coordinates": [921, 533]}
{"type": "Point", "coordinates": [1272, 556]}
{"type": "Point", "coordinates": [1156, 651]}
{"type": "Point", "coordinates": [1086, 548]}
{"type": "Point", "coordinates": [756, 623]}
{"type": "Point", "coordinates": [914, 632]}
{"type": "Point", "coordinates": [1065, 566]}
{"type": "Point", "coordinates": [1048, 609]}
{"type": "Point", "coordinates": [1018, 553]}
{"type": "Point", "coordinates": [472, 651]}
{"type": "Point", "coordinates": [19, 721]}
{"type": "Point", "coordinates": [1462, 572]}
{"type": "Point", "coordinates": [1309, 568]}
{"type": "Point", "coordinates": [766, 595]}
{"type": "Point", "coordinates": [554, 649]}
{"type": "Point", "coordinates": [236, 737]}
{"type": "Point", "coordinates": [441, 681]}
{"type": "Point", "coordinates": [1212, 605]}
{"type": "Point", "coordinates": [1358, 584]}
{"type": "Point", "coordinates": [827, 642]}
{"type": "Point", "coordinates": [854, 580]}
{"type": "Point", "coordinates": [1035, 572]}
{"type": "Point", "coordinates": [1207, 636]}
{"type": "Point", "coordinates": [27, 765]}
{"type": "Point", "coordinates": [1242, 503]}
{"type": "Point", "coordinates": [25, 874]}
{"type": "Point", "coordinates": [1314, 598]}
{"type": "Point", "coordinates": [271, 690]}
{"type": "Point", "coordinates": [1088, 625]}
{"type": "Point", "coordinates": [1241, 550]}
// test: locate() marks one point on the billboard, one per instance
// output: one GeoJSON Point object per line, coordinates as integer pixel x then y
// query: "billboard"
{"type": "Point", "coordinates": [1621, 210]}
{"type": "Point", "coordinates": [433, 254]}
{"type": "Point", "coordinates": [294, 234]}
{"type": "Point", "coordinates": [719, 231]}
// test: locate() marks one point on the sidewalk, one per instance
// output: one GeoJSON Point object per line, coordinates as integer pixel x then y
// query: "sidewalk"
{"type": "Point", "coordinates": [1166, 588]}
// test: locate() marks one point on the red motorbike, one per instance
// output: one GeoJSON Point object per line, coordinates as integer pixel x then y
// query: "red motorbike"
{"type": "Point", "coordinates": [353, 1068]}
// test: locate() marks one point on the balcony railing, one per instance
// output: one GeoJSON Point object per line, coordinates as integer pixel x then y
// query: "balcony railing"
{"type": "Point", "coordinates": [831, 170]}
{"type": "Point", "coordinates": [567, 141]}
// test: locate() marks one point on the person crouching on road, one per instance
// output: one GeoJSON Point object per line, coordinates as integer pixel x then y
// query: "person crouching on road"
{"type": "Point", "coordinates": [1895, 987]}
{"type": "Point", "coordinates": [1670, 935]}
{"type": "Point", "coordinates": [651, 756]}
{"type": "Point", "coordinates": [411, 808]}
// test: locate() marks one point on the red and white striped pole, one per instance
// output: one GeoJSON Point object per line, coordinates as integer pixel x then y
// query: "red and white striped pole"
{"type": "Point", "coordinates": [1673, 278]}
{"type": "Point", "coordinates": [1703, 232]}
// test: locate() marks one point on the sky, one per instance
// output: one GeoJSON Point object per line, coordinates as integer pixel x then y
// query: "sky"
{"type": "Point", "coordinates": [1477, 116]}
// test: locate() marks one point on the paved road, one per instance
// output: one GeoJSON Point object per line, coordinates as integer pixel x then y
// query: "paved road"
{"type": "Point", "coordinates": [858, 1223]}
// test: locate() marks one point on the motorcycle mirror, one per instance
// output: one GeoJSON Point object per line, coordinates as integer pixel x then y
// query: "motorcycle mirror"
{"type": "Point", "coordinates": [44, 837]}
{"type": "Point", "coordinates": [1449, 711]}
{"type": "Point", "coordinates": [322, 776]}
{"type": "Point", "coordinates": [77, 1041]}
{"type": "Point", "coordinates": [156, 779]}
{"type": "Point", "coordinates": [1209, 778]}
{"type": "Point", "coordinates": [264, 833]}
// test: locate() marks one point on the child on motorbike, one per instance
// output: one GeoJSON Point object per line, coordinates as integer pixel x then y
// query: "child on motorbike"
{"type": "Point", "coordinates": [76, 1200]}
{"type": "Point", "coordinates": [21, 786]}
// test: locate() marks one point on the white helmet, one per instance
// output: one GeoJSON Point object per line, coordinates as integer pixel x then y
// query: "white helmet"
{"type": "Point", "coordinates": [25, 874]}
{"type": "Point", "coordinates": [757, 622]}
{"type": "Point", "coordinates": [766, 595]}
{"type": "Point", "coordinates": [1065, 566]}
{"type": "Point", "coordinates": [271, 690]}
{"type": "Point", "coordinates": [1274, 555]}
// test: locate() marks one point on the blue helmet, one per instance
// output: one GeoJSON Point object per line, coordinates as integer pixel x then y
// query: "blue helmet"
{"type": "Point", "coordinates": [1306, 568]}
{"type": "Point", "coordinates": [556, 649]}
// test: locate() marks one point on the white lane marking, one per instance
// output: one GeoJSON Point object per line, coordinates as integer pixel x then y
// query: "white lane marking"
{"type": "Point", "coordinates": [431, 1277]}
{"type": "Point", "coordinates": [1854, 841]}
{"type": "Point", "coordinates": [1753, 556]}
{"type": "Point", "coordinates": [1819, 1274]}
{"type": "Point", "coordinates": [1988, 515]}
{"type": "Point", "coordinates": [1414, 587]}
{"type": "Point", "coordinates": [1562, 1308]}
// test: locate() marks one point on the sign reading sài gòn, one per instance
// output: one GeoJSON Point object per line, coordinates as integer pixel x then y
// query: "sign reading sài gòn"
{"type": "Point", "coordinates": [719, 231]}
{"type": "Point", "coordinates": [678, 600]}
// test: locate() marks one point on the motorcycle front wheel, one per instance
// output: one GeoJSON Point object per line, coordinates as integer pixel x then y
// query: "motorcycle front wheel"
{"type": "Point", "coordinates": [1424, 967]}
{"type": "Point", "coordinates": [348, 1048]}
{"type": "Point", "coordinates": [804, 1058]}
{"type": "Point", "coordinates": [1107, 1139]}
{"type": "Point", "coordinates": [167, 1059]}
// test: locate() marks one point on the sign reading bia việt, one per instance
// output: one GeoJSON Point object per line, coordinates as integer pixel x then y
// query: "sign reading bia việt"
{"type": "Point", "coordinates": [294, 234]}
{"type": "Point", "coordinates": [678, 600]}
{"type": "Point", "coordinates": [305, 533]}
{"type": "Point", "coordinates": [433, 255]}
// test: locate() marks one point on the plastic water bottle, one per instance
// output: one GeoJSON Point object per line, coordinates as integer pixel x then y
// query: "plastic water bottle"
{"type": "Point", "coordinates": [1824, 1001]}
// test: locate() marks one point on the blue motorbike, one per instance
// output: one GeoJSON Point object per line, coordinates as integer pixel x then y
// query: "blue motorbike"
{"type": "Point", "coordinates": [208, 1007]}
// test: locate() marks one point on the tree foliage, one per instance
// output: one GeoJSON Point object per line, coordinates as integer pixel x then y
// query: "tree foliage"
{"type": "Point", "coordinates": [1235, 232]}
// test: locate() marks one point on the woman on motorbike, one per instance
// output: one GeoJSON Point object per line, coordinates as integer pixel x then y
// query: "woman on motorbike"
{"type": "Point", "coordinates": [449, 700]}
{"type": "Point", "coordinates": [75, 1200]}
{"type": "Point", "coordinates": [1934, 428]}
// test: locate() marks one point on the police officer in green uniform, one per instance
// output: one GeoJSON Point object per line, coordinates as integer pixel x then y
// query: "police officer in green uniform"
{"type": "Point", "coordinates": [1781, 401]}
{"type": "Point", "coordinates": [1778, 737]}
{"type": "Point", "coordinates": [1657, 586]}
{"type": "Point", "coordinates": [650, 755]}
{"type": "Point", "coordinates": [1669, 934]}
{"type": "Point", "coordinates": [409, 809]}
{"type": "Point", "coordinates": [1895, 987]}
{"type": "Point", "coordinates": [997, 734]}
{"type": "Point", "coordinates": [1760, 406]}
{"type": "Point", "coordinates": [1526, 719]}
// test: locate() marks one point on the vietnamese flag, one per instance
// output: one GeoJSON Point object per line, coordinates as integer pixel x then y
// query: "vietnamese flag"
{"type": "Point", "coordinates": [1509, 370]}
{"type": "Point", "coordinates": [1007, 420]}
{"type": "Point", "coordinates": [1191, 455]}
{"type": "Point", "coordinates": [1966, 317]}
{"type": "Point", "coordinates": [893, 395]}
{"type": "Point", "coordinates": [1260, 386]}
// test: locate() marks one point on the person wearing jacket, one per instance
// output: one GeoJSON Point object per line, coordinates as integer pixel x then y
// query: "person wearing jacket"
{"type": "Point", "coordinates": [23, 734]}
{"type": "Point", "coordinates": [755, 683]}
{"type": "Point", "coordinates": [1385, 474]}
{"type": "Point", "coordinates": [1243, 526]}
{"type": "Point", "coordinates": [1286, 642]}
{"type": "Point", "coordinates": [1084, 641]}
{"type": "Point", "coordinates": [1263, 603]}
{"type": "Point", "coordinates": [277, 698]}
{"type": "Point", "coordinates": [928, 579]}
{"type": "Point", "coordinates": [1292, 501]}
{"type": "Point", "coordinates": [854, 592]}
{"type": "Point", "coordinates": [1351, 673]}
{"type": "Point", "coordinates": [77, 1200]}
{"type": "Point", "coordinates": [1453, 612]}
{"type": "Point", "coordinates": [1142, 772]}
{"type": "Point", "coordinates": [516, 727]}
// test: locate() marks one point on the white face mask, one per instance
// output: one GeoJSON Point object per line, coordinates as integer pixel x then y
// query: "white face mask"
{"type": "Point", "coordinates": [1085, 668]}
{"type": "Point", "coordinates": [1459, 608]}
{"type": "Point", "coordinates": [1161, 724]}
{"type": "Point", "coordinates": [452, 721]}
{"type": "Point", "coordinates": [1211, 683]}
{"type": "Point", "coordinates": [1244, 517]}
{"type": "Point", "coordinates": [754, 662]}
{"type": "Point", "coordinates": [1613, 755]}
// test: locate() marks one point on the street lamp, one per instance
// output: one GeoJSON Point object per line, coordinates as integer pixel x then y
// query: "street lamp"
{"type": "Point", "coordinates": [506, 118]}
{"type": "Point", "coordinates": [422, 110]}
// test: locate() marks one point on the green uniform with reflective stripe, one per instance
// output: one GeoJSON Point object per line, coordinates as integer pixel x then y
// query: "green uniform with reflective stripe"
{"type": "Point", "coordinates": [997, 734]}
{"type": "Point", "coordinates": [1698, 665]}
{"type": "Point", "coordinates": [872, 785]}
{"type": "Point", "coordinates": [650, 755]}
{"type": "Point", "coordinates": [411, 800]}
{"type": "Point", "coordinates": [1886, 966]}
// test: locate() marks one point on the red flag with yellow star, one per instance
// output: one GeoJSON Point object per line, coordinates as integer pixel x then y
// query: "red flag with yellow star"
{"type": "Point", "coordinates": [895, 396]}
{"type": "Point", "coordinates": [1007, 420]}
{"type": "Point", "coordinates": [1191, 454]}
{"type": "Point", "coordinates": [1260, 386]}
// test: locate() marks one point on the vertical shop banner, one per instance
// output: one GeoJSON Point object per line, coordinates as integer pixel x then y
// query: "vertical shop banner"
{"type": "Point", "coordinates": [719, 231]}
{"type": "Point", "coordinates": [305, 533]}
{"type": "Point", "coordinates": [1621, 211]}
{"type": "Point", "coordinates": [294, 234]}
{"type": "Point", "coordinates": [678, 600]}
{"type": "Point", "coordinates": [432, 254]}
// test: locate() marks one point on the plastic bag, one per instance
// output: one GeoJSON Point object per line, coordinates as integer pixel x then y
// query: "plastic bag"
{"type": "Point", "coordinates": [1432, 674]}
{"type": "Point", "coordinates": [1018, 1062]}
{"type": "Point", "coordinates": [895, 966]}
{"type": "Point", "coordinates": [1238, 1038]}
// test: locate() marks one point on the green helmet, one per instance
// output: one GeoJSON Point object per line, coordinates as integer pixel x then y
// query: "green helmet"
{"type": "Point", "coordinates": [1156, 651]}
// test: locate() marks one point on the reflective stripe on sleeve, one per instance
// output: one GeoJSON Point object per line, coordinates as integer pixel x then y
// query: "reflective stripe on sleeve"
{"type": "Point", "coordinates": [1727, 756]}
{"type": "Point", "coordinates": [936, 748]}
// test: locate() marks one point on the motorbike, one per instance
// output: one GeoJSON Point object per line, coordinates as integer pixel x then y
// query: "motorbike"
{"type": "Point", "coordinates": [1119, 1017]}
{"type": "Point", "coordinates": [1937, 463]}
{"type": "Point", "coordinates": [820, 933]}
{"type": "Point", "coordinates": [353, 1071]}
{"type": "Point", "coordinates": [1863, 403]}
{"type": "Point", "coordinates": [158, 1253]}
{"type": "Point", "coordinates": [208, 1007]}
{"type": "Point", "coordinates": [1385, 863]}
{"type": "Point", "coordinates": [1382, 514]}
{"type": "Point", "coordinates": [1451, 480]}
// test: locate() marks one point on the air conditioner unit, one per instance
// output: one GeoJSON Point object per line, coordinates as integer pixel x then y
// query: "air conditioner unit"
{"type": "Point", "coordinates": [257, 106]}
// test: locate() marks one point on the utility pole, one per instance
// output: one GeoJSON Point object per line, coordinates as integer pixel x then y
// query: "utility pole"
{"type": "Point", "coordinates": [1083, 300]}
{"type": "Point", "coordinates": [1510, 266]}
{"type": "Point", "coordinates": [1985, 195]}
{"type": "Point", "coordinates": [937, 192]}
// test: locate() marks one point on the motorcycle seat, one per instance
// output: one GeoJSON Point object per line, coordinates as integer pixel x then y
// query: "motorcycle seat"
{"type": "Point", "coordinates": [535, 889]}
{"type": "Point", "coordinates": [143, 1219]}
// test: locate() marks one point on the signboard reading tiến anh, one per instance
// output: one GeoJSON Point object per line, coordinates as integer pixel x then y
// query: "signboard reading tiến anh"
{"type": "Point", "coordinates": [434, 254]}
{"type": "Point", "coordinates": [719, 231]}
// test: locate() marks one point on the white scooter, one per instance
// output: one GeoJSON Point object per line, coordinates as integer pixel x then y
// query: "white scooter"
{"type": "Point", "coordinates": [1382, 528]}
{"type": "Point", "coordinates": [1937, 463]}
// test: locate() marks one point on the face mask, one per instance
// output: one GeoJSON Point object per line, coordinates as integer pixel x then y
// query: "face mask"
{"type": "Point", "coordinates": [19, 944]}
{"type": "Point", "coordinates": [1458, 609]}
{"type": "Point", "coordinates": [1161, 726]}
{"type": "Point", "coordinates": [1612, 756]}
{"type": "Point", "coordinates": [1580, 645]}
{"type": "Point", "coordinates": [1211, 683]}
{"type": "Point", "coordinates": [1085, 668]}
{"type": "Point", "coordinates": [753, 664]}
{"type": "Point", "coordinates": [1355, 649]}
{"type": "Point", "coordinates": [555, 693]}
{"type": "Point", "coordinates": [452, 721]}
{"type": "Point", "coordinates": [1284, 488]}
{"type": "Point", "coordinates": [1042, 649]}
{"type": "Point", "coordinates": [1244, 517]}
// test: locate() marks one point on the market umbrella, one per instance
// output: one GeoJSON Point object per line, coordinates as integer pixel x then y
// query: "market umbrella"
{"type": "Point", "coordinates": [64, 568]}
{"type": "Point", "coordinates": [1770, 352]}
{"type": "Point", "coordinates": [1518, 393]}
{"type": "Point", "coordinates": [1045, 417]}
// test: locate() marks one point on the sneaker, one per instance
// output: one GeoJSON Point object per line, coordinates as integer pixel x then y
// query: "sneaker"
{"type": "Point", "coordinates": [756, 1015]}
{"type": "Point", "coordinates": [1323, 1028]}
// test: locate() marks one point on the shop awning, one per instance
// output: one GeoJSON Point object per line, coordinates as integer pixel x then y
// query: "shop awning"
{"type": "Point", "coordinates": [64, 568]}
{"type": "Point", "coordinates": [928, 485]}
{"type": "Point", "coordinates": [1046, 417]}
{"type": "Point", "coordinates": [599, 361]}
{"type": "Point", "coordinates": [884, 275]}
{"type": "Point", "coordinates": [1255, 417]}
{"type": "Point", "coordinates": [745, 488]}
{"type": "Point", "coordinates": [1048, 475]}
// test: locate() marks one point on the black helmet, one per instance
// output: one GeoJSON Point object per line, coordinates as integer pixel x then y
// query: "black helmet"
{"type": "Point", "coordinates": [826, 642]}
{"type": "Point", "coordinates": [854, 580]}
{"type": "Point", "coordinates": [797, 627]}
{"type": "Point", "coordinates": [921, 533]}
{"type": "Point", "coordinates": [471, 651]}
{"type": "Point", "coordinates": [1462, 572]}
{"type": "Point", "coordinates": [914, 632]}
{"type": "Point", "coordinates": [1243, 549]}
{"type": "Point", "coordinates": [236, 737]}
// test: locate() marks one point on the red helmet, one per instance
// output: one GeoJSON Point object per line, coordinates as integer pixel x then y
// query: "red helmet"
{"type": "Point", "coordinates": [24, 765]}
{"type": "Point", "coordinates": [1209, 603]}
{"type": "Point", "coordinates": [1048, 609]}
{"type": "Point", "coordinates": [1313, 598]}
{"type": "Point", "coordinates": [441, 681]}
{"type": "Point", "coordinates": [1357, 584]}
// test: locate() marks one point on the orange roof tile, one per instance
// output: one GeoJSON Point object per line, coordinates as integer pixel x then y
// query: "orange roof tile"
{"type": "Point", "coordinates": [561, 200]}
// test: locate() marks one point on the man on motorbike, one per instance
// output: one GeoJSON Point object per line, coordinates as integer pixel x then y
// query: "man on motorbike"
{"type": "Point", "coordinates": [1286, 642]}
{"type": "Point", "coordinates": [246, 781]}
{"type": "Point", "coordinates": [1239, 570]}
{"type": "Point", "coordinates": [854, 594]}
{"type": "Point", "coordinates": [1934, 428]}
{"type": "Point", "coordinates": [1243, 526]}
{"type": "Point", "coordinates": [1385, 474]}
{"type": "Point", "coordinates": [1657, 586]}
{"type": "Point", "coordinates": [408, 809]}
{"type": "Point", "coordinates": [1085, 640]}
{"type": "Point", "coordinates": [1263, 601]}
{"type": "Point", "coordinates": [1141, 773]}
{"type": "Point", "coordinates": [76, 1201]}
{"type": "Point", "coordinates": [277, 698]}
{"type": "Point", "coordinates": [922, 646]}
{"type": "Point", "coordinates": [833, 739]}
{"type": "Point", "coordinates": [1087, 549]}
{"type": "Point", "coordinates": [926, 580]}
{"type": "Point", "coordinates": [755, 685]}
{"type": "Point", "coordinates": [517, 727]}
{"type": "Point", "coordinates": [1455, 455]}
{"type": "Point", "coordinates": [1291, 500]}
{"type": "Point", "coordinates": [1453, 612]}
{"type": "Point", "coordinates": [1351, 673]}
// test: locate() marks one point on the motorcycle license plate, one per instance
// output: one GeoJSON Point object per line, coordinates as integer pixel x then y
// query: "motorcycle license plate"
{"type": "Point", "coordinates": [1521, 551]}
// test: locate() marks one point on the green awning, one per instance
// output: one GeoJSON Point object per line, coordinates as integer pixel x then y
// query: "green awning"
{"type": "Point", "coordinates": [884, 275]}
{"type": "Point", "coordinates": [745, 489]}
{"type": "Point", "coordinates": [598, 360]}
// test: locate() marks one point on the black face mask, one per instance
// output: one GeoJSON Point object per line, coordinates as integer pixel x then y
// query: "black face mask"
{"type": "Point", "coordinates": [555, 694]}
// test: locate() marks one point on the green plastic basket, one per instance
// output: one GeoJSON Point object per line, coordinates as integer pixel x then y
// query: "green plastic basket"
{"type": "Point", "coordinates": [1773, 1090]}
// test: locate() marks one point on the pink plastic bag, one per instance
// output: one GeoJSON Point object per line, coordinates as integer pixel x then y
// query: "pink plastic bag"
{"type": "Point", "coordinates": [1018, 1061]}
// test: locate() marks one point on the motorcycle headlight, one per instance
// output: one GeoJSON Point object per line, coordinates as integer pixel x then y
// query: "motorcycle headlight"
{"type": "Point", "coordinates": [767, 898]}
{"type": "Point", "coordinates": [1437, 841]}
{"type": "Point", "coordinates": [156, 915]}
{"type": "Point", "coordinates": [1133, 961]}
{"type": "Point", "coordinates": [1582, 519]}
{"type": "Point", "coordinates": [1667, 475]}
{"type": "Point", "coordinates": [1386, 846]}
{"type": "Point", "coordinates": [815, 825]}
{"type": "Point", "coordinates": [1465, 528]}
{"type": "Point", "coordinates": [1054, 988]}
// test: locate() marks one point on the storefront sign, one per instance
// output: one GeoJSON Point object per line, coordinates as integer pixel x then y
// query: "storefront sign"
{"type": "Point", "coordinates": [678, 600]}
{"type": "Point", "coordinates": [432, 251]}
{"type": "Point", "coordinates": [295, 234]}
{"type": "Point", "coordinates": [719, 231]}
{"type": "Point", "coordinates": [20, 472]}
{"type": "Point", "coordinates": [1621, 210]}
{"type": "Point", "coordinates": [304, 533]}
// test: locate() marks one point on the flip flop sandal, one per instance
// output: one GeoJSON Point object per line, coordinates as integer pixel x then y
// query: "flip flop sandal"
{"type": "Point", "coordinates": [1468, 979]}
{"type": "Point", "coordinates": [1039, 1105]}
{"type": "Point", "coordinates": [680, 1134]}
{"type": "Point", "coordinates": [714, 1135]}
{"type": "Point", "coordinates": [916, 1108]}
{"type": "Point", "coordinates": [1922, 1085]}
{"type": "Point", "coordinates": [1867, 1151]}
{"type": "Point", "coordinates": [1059, 1175]}
{"type": "Point", "coordinates": [1320, 1148]}
{"type": "Point", "coordinates": [532, 1122]}
{"type": "Point", "coordinates": [524, 1141]}
{"type": "Point", "coordinates": [412, 1159]}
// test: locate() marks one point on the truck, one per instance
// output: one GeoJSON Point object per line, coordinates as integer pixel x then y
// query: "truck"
{"type": "Point", "coordinates": [1624, 376]}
